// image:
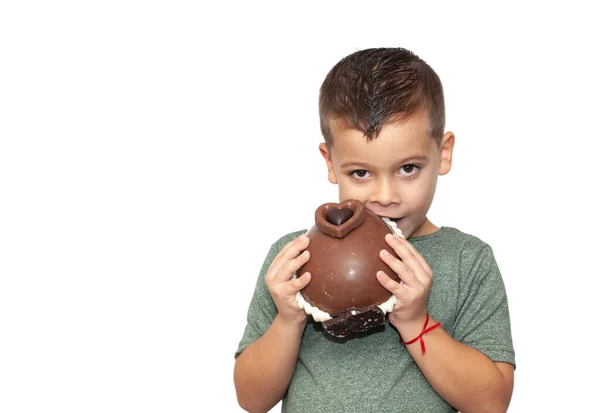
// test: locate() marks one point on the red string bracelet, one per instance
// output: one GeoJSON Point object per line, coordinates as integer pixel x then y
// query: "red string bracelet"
{"type": "Point", "coordinates": [420, 336]}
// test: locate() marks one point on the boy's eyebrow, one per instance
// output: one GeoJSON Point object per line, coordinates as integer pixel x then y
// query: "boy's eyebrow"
{"type": "Point", "coordinates": [409, 159]}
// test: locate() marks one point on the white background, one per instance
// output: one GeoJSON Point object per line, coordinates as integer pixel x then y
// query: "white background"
{"type": "Point", "coordinates": [151, 152]}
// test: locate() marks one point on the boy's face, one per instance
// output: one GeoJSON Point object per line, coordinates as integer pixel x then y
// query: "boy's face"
{"type": "Point", "coordinates": [395, 174]}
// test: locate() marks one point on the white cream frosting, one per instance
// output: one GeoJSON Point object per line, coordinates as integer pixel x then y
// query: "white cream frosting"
{"type": "Point", "coordinates": [393, 226]}
{"type": "Point", "coordinates": [317, 314]}
{"type": "Point", "coordinates": [320, 316]}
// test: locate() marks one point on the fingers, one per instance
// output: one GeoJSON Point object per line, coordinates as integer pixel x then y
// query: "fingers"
{"type": "Point", "coordinates": [417, 255]}
{"type": "Point", "coordinates": [413, 261]}
{"type": "Point", "coordinates": [400, 268]}
{"type": "Point", "coordinates": [389, 284]}
{"type": "Point", "coordinates": [299, 283]}
{"type": "Point", "coordinates": [281, 284]}
{"type": "Point", "coordinates": [288, 269]}
{"type": "Point", "coordinates": [412, 294]}
{"type": "Point", "coordinates": [290, 258]}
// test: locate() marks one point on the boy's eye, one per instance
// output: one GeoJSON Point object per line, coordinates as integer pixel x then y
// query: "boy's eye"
{"type": "Point", "coordinates": [409, 170]}
{"type": "Point", "coordinates": [359, 173]}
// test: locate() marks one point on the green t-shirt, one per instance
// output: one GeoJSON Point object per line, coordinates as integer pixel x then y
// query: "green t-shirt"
{"type": "Point", "coordinates": [373, 372]}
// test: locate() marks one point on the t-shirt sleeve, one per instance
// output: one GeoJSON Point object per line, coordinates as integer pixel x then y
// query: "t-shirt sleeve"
{"type": "Point", "coordinates": [483, 320]}
{"type": "Point", "coordinates": [262, 309]}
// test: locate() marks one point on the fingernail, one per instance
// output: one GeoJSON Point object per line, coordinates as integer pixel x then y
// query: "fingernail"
{"type": "Point", "coordinates": [385, 253]}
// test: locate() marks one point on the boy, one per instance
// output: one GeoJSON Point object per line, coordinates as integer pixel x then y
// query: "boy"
{"type": "Point", "coordinates": [382, 118]}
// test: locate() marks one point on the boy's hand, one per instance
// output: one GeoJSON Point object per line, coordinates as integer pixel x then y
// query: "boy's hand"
{"type": "Point", "coordinates": [279, 280]}
{"type": "Point", "coordinates": [412, 292]}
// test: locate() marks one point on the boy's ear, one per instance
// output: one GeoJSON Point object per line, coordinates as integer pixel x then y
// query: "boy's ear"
{"type": "Point", "coordinates": [327, 156]}
{"type": "Point", "coordinates": [446, 148]}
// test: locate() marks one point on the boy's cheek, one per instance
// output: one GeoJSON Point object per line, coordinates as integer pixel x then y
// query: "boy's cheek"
{"type": "Point", "coordinates": [349, 190]}
{"type": "Point", "coordinates": [358, 195]}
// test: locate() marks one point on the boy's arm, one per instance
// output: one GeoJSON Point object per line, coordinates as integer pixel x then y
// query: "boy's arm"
{"type": "Point", "coordinates": [264, 369]}
{"type": "Point", "coordinates": [465, 377]}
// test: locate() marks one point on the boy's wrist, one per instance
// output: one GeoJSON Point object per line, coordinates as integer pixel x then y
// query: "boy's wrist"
{"type": "Point", "coordinates": [291, 325]}
{"type": "Point", "coordinates": [427, 327]}
{"type": "Point", "coordinates": [412, 328]}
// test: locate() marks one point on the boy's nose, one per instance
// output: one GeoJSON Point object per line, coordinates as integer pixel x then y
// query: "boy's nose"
{"type": "Point", "coordinates": [385, 193]}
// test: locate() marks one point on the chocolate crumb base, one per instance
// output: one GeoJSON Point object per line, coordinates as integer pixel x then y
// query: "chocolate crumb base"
{"type": "Point", "coordinates": [354, 320]}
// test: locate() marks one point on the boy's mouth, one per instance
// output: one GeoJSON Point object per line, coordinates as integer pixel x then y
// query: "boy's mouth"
{"type": "Point", "coordinates": [392, 223]}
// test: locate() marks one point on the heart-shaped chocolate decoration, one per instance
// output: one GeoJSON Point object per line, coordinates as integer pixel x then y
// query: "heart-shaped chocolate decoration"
{"type": "Point", "coordinates": [337, 220]}
{"type": "Point", "coordinates": [337, 216]}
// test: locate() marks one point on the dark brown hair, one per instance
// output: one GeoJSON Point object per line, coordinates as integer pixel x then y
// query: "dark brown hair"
{"type": "Point", "coordinates": [371, 87]}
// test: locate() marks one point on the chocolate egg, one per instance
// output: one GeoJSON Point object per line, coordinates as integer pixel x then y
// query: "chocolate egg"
{"type": "Point", "coordinates": [344, 259]}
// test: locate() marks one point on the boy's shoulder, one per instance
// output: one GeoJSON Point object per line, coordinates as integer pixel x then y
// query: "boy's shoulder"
{"type": "Point", "coordinates": [467, 239]}
{"type": "Point", "coordinates": [451, 235]}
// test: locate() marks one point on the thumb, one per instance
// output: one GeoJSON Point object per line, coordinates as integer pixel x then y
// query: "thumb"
{"type": "Point", "coordinates": [299, 283]}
